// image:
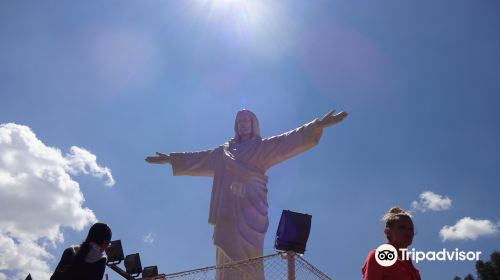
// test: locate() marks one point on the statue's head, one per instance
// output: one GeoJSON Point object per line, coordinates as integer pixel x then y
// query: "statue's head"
{"type": "Point", "coordinates": [246, 125]}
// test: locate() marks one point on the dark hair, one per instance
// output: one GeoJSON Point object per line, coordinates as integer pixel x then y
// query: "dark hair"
{"type": "Point", "coordinates": [99, 233]}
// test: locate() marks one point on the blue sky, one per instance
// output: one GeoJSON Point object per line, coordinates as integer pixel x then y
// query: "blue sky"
{"type": "Point", "coordinates": [123, 79]}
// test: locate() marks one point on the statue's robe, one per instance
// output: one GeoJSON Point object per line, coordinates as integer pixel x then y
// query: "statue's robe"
{"type": "Point", "coordinates": [238, 206]}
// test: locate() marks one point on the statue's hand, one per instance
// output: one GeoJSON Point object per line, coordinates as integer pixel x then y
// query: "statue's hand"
{"type": "Point", "coordinates": [331, 118]}
{"type": "Point", "coordinates": [160, 158]}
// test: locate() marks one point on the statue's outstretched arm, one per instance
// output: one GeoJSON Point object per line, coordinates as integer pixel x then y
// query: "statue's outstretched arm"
{"type": "Point", "coordinates": [159, 158]}
{"type": "Point", "coordinates": [331, 118]}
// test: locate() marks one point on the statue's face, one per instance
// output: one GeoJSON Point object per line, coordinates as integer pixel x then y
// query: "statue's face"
{"type": "Point", "coordinates": [244, 122]}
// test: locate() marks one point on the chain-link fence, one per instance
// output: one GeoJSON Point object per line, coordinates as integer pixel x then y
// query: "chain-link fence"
{"type": "Point", "coordinates": [279, 266]}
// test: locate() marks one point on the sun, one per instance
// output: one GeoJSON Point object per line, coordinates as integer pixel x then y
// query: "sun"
{"type": "Point", "coordinates": [222, 2]}
{"type": "Point", "coordinates": [246, 15]}
{"type": "Point", "coordinates": [258, 27]}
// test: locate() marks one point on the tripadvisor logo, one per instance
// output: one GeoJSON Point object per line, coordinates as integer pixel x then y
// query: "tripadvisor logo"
{"type": "Point", "coordinates": [386, 255]}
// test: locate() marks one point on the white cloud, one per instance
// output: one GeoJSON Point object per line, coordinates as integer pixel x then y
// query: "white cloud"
{"type": "Point", "coordinates": [82, 161]}
{"type": "Point", "coordinates": [468, 229]}
{"type": "Point", "coordinates": [431, 201]}
{"type": "Point", "coordinates": [37, 198]}
{"type": "Point", "coordinates": [150, 238]}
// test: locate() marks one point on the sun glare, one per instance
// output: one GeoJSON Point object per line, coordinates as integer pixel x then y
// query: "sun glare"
{"type": "Point", "coordinates": [226, 1]}
{"type": "Point", "coordinates": [246, 15]}
{"type": "Point", "coordinates": [257, 26]}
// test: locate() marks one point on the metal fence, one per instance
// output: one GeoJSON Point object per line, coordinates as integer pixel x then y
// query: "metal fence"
{"type": "Point", "coordinates": [279, 266]}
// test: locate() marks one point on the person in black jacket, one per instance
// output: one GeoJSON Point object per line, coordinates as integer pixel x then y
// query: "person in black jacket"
{"type": "Point", "coordinates": [88, 260]}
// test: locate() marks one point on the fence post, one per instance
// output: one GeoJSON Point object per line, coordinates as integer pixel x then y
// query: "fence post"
{"type": "Point", "coordinates": [290, 256]}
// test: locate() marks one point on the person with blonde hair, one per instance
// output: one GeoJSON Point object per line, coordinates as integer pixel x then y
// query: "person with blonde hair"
{"type": "Point", "coordinates": [399, 231]}
{"type": "Point", "coordinates": [238, 206]}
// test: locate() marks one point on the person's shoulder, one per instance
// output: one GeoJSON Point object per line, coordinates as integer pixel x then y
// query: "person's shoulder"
{"type": "Point", "coordinates": [371, 254]}
{"type": "Point", "coordinates": [74, 248]}
{"type": "Point", "coordinates": [370, 257]}
{"type": "Point", "coordinates": [71, 251]}
{"type": "Point", "coordinates": [370, 266]}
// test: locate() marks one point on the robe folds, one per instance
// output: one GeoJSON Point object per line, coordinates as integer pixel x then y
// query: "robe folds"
{"type": "Point", "coordinates": [238, 206]}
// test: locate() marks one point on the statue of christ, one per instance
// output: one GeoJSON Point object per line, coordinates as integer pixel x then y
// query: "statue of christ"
{"type": "Point", "coordinates": [238, 206]}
